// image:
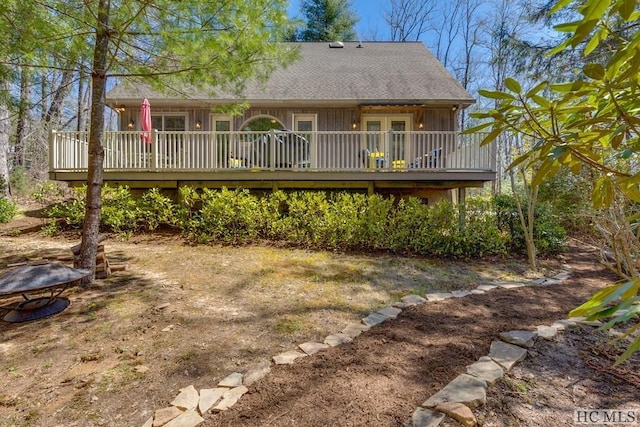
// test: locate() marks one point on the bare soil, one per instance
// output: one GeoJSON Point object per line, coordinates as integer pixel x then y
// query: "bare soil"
{"type": "Point", "coordinates": [115, 355]}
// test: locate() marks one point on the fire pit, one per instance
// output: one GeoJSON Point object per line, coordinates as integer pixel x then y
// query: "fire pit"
{"type": "Point", "coordinates": [40, 287]}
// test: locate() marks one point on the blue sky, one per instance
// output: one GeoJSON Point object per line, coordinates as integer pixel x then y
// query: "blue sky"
{"type": "Point", "coordinates": [371, 14]}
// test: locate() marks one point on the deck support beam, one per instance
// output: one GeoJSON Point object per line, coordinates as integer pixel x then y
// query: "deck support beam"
{"type": "Point", "coordinates": [462, 207]}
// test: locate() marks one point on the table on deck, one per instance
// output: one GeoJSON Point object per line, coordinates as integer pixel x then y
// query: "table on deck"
{"type": "Point", "coordinates": [40, 286]}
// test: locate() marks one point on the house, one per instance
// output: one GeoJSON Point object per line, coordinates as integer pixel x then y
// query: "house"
{"type": "Point", "coordinates": [377, 116]}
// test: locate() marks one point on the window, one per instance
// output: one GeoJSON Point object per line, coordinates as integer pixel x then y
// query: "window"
{"type": "Point", "coordinates": [169, 122]}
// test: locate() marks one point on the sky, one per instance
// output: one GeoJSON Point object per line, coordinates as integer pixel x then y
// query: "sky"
{"type": "Point", "coordinates": [371, 13]}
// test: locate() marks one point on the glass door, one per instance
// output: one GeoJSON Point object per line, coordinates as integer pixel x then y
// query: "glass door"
{"type": "Point", "coordinates": [222, 127]}
{"type": "Point", "coordinates": [305, 126]}
{"type": "Point", "coordinates": [386, 140]}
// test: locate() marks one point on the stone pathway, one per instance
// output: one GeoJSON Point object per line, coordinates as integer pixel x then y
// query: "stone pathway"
{"type": "Point", "coordinates": [456, 400]}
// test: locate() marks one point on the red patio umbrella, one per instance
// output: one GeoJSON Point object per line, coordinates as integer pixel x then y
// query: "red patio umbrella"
{"type": "Point", "coordinates": [145, 121]}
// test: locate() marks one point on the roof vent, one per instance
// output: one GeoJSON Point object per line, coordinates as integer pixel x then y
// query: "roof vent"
{"type": "Point", "coordinates": [336, 45]}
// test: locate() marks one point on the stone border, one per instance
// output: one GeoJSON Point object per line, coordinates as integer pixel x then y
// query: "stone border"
{"type": "Point", "coordinates": [456, 399]}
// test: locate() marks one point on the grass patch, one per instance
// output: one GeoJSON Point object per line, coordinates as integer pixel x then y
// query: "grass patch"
{"type": "Point", "coordinates": [291, 324]}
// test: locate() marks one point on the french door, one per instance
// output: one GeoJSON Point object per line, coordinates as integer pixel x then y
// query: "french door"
{"type": "Point", "coordinates": [386, 139]}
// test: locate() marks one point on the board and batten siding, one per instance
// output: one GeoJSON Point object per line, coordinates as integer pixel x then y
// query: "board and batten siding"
{"type": "Point", "coordinates": [328, 119]}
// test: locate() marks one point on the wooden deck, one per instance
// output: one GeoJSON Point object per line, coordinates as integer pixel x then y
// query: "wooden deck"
{"type": "Point", "coordinates": [374, 161]}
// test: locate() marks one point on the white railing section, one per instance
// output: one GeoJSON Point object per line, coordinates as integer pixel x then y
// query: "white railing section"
{"type": "Point", "coordinates": [277, 150]}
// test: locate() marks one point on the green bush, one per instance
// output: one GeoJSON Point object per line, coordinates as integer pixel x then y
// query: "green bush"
{"type": "Point", "coordinates": [225, 216]}
{"type": "Point", "coordinates": [549, 236]}
{"type": "Point", "coordinates": [8, 210]}
{"type": "Point", "coordinates": [119, 210]}
{"type": "Point", "coordinates": [155, 209]}
{"type": "Point", "coordinates": [20, 180]}
{"type": "Point", "coordinates": [70, 213]}
{"type": "Point", "coordinates": [335, 221]}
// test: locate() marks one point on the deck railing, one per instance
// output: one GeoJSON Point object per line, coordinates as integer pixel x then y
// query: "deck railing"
{"type": "Point", "coordinates": [277, 150]}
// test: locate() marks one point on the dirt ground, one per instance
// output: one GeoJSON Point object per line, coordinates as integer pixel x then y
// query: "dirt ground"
{"type": "Point", "coordinates": [119, 352]}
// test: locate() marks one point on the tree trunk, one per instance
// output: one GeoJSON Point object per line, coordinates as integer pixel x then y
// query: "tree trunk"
{"type": "Point", "coordinates": [91, 226]}
{"type": "Point", "coordinates": [54, 112]}
{"type": "Point", "coordinates": [23, 112]}
{"type": "Point", "coordinates": [4, 144]}
{"type": "Point", "coordinates": [80, 92]}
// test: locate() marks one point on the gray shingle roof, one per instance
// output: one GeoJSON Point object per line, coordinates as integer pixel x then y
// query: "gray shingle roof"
{"type": "Point", "coordinates": [376, 73]}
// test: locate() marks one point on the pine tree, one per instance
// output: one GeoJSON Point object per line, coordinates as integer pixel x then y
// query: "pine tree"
{"type": "Point", "coordinates": [328, 20]}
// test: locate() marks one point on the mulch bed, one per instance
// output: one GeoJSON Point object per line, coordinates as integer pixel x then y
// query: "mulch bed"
{"type": "Point", "coordinates": [384, 374]}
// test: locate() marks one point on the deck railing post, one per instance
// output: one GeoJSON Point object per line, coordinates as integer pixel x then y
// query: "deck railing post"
{"type": "Point", "coordinates": [154, 149]}
{"type": "Point", "coordinates": [313, 143]}
{"type": "Point", "coordinates": [387, 151]}
{"type": "Point", "coordinates": [272, 150]}
{"type": "Point", "coordinates": [52, 142]}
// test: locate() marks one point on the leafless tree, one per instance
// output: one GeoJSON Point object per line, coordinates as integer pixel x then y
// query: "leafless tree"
{"type": "Point", "coordinates": [408, 20]}
{"type": "Point", "coordinates": [23, 117]}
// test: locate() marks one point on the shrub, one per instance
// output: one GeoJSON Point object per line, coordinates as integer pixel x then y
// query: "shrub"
{"type": "Point", "coordinates": [119, 209]}
{"type": "Point", "coordinates": [70, 213]}
{"type": "Point", "coordinates": [225, 216]}
{"type": "Point", "coordinates": [8, 210]}
{"type": "Point", "coordinates": [549, 236]}
{"type": "Point", "coordinates": [335, 221]}
{"type": "Point", "coordinates": [20, 180]}
{"type": "Point", "coordinates": [155, 209]}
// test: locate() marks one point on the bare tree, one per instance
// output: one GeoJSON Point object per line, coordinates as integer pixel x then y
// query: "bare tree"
{"type": "Point", "coordinates": [409, 19]}
{"type": "Point", "coordinates": [466, 67]}
{"type": "Point", "coordinates": [23, 117]}
{"type": "Point", "coordinates": [4, 140]}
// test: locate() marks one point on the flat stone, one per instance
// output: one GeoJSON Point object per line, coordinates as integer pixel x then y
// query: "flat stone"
{"type": "Point", "coordinates": [337, 339]}
{"type": "Point", "coordinates": [209, 397]}
{"type": "Point", "coordinates": [564, 275]}
{"type": "Point", "coordinates": [164, 415]}
{"type": "Point", "coordinates": [288, 357]}
{"type": "Point", "coordinates": [426, 418]}
{"type": "Point", "coordinates": [374, 319]}
{"type": "Point", "coordinates": [402, 305]}
{"type": "Point", "coordinates": [355, 329]}
{"type": "Point", "coordinates": [188, 419]}
{"type": "Point", "coordinates": [458, 412]}
{"type": "Point", "coordinates": [413, 299]}
{"type": "Point", "coordinates": [485, 368]}
{"type": "Point", "coordinates": [538, 281]}
{"type": "Point", "coordinates": [231, 380]}
{"type": "Point", "coordinates": [548, 281]}
{"type": "Point", "coordinates": [187, 398]}
{"type": "Point", "coordinates": [148, 423]}
{"type": "Point", "coordinates": [519, 338]}
{"type": "Point", "coordinates": [477, 291]}
{"type": "Point", "coordinates": [506, 355]}
{"type": "Point", "coordinates": [595, 323]}
{"type": "Point", "coordinates": [547, 332]}
{"type": "Point", "coordinates": [257, 373]}
{"type": "Point", "coordinates": [438, 296]}
{"type": "Point", "coordinates": [390, 312]}
{"type": "Point", "coordinates": [465, 388]}
{"type": "Point", "coordinates": [511, 285]}
{"type": "Point", "coordinates": [168, 328]}
{"type": "Point", "coordinates": [163, 306]}
{"type": "Point", "coordinates": [461, 294]}
{"type": "Point", "coordinates": [562, 324]}
{"type": "Point", "coordinates": [229, 398]}
{"type": "Point", "coordinates": [486, 287]}
{"type": "Point", "coordinates": [312, 347]}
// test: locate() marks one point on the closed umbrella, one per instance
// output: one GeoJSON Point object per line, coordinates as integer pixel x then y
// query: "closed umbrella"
{"type": "Point", "coordinates": [145, 121]}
